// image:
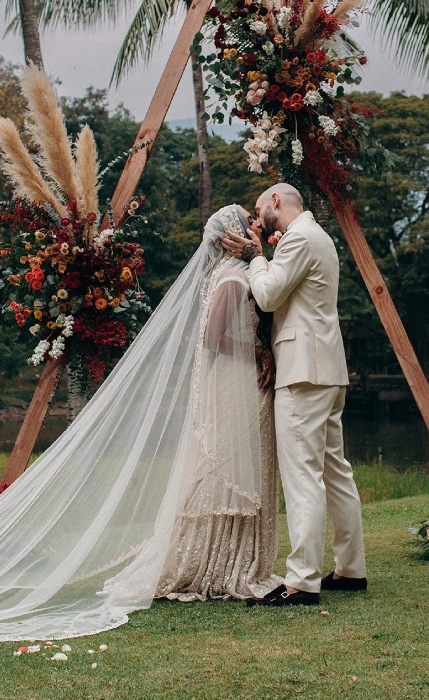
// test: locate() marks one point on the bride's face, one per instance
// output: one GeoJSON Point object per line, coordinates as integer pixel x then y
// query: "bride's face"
{"type": "Point", "coordinates": [254, 225]}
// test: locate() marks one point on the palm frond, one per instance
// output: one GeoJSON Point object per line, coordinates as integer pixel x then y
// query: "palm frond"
{"type": "Point", "coordinates": [68, 13]}
{"type": "Point", "coordinates": [145, 30]}
{"type": "Point", "coordinates": [404, 24]}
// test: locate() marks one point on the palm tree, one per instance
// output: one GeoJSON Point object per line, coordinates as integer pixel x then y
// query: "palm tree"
{"type": "Point", "coordinates": [145, 31]}
{"type": "Point", "coordinates": [27, 20]}
{"type": "Point", "coordinates": [404, 23]}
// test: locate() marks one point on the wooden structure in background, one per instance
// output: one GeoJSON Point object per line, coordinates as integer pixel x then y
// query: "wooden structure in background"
{"type": "Point", "coordinates": [124, 191]}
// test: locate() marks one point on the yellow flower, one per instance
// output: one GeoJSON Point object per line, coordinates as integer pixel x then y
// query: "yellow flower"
{"type": "Point", "coordinates": [254, 75]}
{"type": "Point", "coordinates": [278, 39]}
{"type": "Point", "coordinates": [232, 53]}
{"type": "Point", "coordinates": [37, 314]}
{"type": "Point", "coordinates": [39, 236]}
{"type": "Point", "coordinates": [61, 268]}
{"type": "Point", "coordinates": [115, 302]}
{"type": "Point", "coordinates": [62, 294]}
{"type": "Point", "coordinates": [240, 60]}
{"type": "Point", "coordinates": [126, 274]}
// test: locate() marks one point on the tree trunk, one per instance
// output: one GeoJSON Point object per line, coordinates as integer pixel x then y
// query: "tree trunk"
{"type": "Point", "coordinates": [205, 183]}
{"type": "Point", "coordinates": [30, 32]}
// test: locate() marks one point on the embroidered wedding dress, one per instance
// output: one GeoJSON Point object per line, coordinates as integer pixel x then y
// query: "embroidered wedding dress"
{"type": "Point", "coordinates": [165, 483]}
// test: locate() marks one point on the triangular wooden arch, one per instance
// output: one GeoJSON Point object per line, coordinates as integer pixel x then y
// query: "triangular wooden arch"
{"type": "Point", "coordinates": [124, 191]}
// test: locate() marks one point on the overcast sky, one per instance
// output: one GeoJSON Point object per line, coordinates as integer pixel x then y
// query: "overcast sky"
{"type": "Point", "coordinates": [80, 59]}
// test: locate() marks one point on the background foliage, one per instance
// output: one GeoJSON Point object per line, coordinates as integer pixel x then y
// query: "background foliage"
{"type": "Point", "coordinates": [394, 215]}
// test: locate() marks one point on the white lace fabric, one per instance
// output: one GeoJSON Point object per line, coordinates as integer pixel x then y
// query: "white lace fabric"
{"type": "Point", "coordinates": [86, 530]}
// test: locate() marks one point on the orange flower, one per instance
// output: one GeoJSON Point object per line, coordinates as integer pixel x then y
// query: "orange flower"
{"type": "Point", "coordinates": [115, 302]}
{"type": "Point", "coordinates": [62, 268]}
{"type": "Point", "coordinates": [37, 314]}
{"type": "Point", "coordinates": [14, 279]}
{"type": "Point", "coordinates": [88, 298]}
{"type": "Point", "coordinates": [126, 274]}
{"type": "Point", "coordinates": [100, 303]}
{"type": "Point", "coordinates": [51, 325]}
{"type": "Point", "coordinates": [4, 251]}
{"type": "Point", "coordinates": [35, 262]}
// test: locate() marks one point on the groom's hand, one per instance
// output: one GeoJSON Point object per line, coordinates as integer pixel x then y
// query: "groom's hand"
{"type": "Point", "coordinates": [240, 247]}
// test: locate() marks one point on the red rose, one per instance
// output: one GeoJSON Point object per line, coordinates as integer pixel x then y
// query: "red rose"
{"type": "Point", "coordinates": [91, 217]}
{"type": "Point", "coordinates": [363, 60]}
{"type": "Point", "coordinates": [311, 56]}
{"type": "Point", "coordinates": [65, 222]}
{"type": "Point", "coordinates": [36, 285]}
{"type": "Point", "coordinates": [296, 97]}
{"type": "Point", "coordinates": [317, 70]}
{"type": "Point", "coordinates": [287, 104]}
{"type": "Point", "coordinates": [281, 96]}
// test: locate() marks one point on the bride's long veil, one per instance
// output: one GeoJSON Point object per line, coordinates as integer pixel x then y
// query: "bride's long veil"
{"type": "Point", "coordinates": [85, 531]}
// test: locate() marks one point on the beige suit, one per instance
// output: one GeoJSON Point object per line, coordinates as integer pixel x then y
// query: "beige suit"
{"type": "Point", "coordinates": [300, 286]}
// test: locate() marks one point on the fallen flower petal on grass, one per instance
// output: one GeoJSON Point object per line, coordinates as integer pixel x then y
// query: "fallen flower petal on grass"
{"type": "Point", "coordinates": [94, 665]}
{"type": "Point", "coordinates": [65, 647]}
{"type": "Point", "coordinates": [23, 650]}
{"type": "Point", "coordinates": [103, 647]}
{"type": "Point", "coordinates": [324, 612]}
{"type": "Point", "coordinates": [49, 644]}
{"type": "Point", "coordinates": [91, 651]}
{"type": "Point", "coordinates": [59, 657]}
{"type": "Point", "coordinates": [33, 649]}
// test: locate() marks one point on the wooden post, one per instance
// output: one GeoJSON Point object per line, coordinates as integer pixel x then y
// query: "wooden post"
{"type": "Point", "coordinates": [385, 308]}
{"type": "Point", "coordinates": [32, 422]}
{"type": "Point", "coordinates": [124, 190]}
{"type": "Point", "coordinates": [159, 106]}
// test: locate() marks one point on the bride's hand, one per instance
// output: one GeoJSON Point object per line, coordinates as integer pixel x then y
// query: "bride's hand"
{"type": "Point", "coordinates": [267, 376]}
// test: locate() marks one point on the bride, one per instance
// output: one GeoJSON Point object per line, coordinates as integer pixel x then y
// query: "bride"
{"type": "Point", "coordinates": [165, 484]}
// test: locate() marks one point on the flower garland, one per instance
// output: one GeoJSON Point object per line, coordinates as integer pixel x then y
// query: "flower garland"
{"type": "Point", "coordinates": [284, 64]}
{"type": "Point", "coordinates": [81, 303]}
{"type": "Point", "coordinates": [71, 290]}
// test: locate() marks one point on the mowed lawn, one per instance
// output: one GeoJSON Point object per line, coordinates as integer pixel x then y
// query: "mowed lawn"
{"type": "Point", "coordinates": [372, 645]}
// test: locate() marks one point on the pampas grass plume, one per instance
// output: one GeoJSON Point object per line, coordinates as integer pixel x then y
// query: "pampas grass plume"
{"type": "Point", "coordinates": [86, 171]}
{"type": "Point", "coordinates": [22, 170]}
{"type": "Point", "coordinates": [47, 128]}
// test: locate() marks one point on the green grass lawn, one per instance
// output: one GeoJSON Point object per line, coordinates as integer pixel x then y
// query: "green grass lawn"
{"type": "Point", "coordinates": [373, 645]}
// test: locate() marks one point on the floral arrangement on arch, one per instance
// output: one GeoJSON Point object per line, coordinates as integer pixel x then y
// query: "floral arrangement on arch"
{"type": "Point", "coordinates": [284, 63]}
{"type": "Point", "coordinates": [71, 288]}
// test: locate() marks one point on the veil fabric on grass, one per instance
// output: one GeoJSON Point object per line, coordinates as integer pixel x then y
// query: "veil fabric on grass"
{"type": "Point", "coordinates": [85, 530]}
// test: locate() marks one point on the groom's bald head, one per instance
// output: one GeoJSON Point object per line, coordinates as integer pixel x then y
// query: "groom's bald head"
{"type": "Point", "coordinates": [277, 207]}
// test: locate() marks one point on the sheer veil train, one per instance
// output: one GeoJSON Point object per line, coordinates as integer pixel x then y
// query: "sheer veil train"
{"type": "Point", "coordinates": [85, 531]}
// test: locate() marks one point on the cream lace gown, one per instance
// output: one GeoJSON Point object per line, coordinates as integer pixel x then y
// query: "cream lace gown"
{"type": "Point", "coordinates": [221, 554]}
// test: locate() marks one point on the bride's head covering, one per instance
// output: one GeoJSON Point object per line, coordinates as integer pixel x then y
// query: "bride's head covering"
{"type": "Point", "coordinates": [86, 529]}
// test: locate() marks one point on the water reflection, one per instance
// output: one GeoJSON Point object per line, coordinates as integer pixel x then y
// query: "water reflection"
{"type": "Point", "coordinates": [403, 440]}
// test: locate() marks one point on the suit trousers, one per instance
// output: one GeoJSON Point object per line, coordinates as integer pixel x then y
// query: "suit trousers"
{"type": "Point", "coordinates": [317, 480]}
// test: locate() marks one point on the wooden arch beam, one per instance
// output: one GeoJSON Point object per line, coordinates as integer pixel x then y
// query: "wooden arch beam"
{"type": "Point", "coordinates": [126, 186]}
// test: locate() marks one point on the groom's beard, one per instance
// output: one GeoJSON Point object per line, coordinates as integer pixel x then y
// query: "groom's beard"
{"type": "Point", "coordinates": [268, 223]}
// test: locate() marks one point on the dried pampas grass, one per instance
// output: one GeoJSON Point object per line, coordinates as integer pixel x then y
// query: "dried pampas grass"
{"type": "Point", "coordinates": [310, 15]}
{"type": "Point", "coordinates": [346, 6]}
{"type": "Point", "coordinates": [47, 128]}
{"type": "Point", "coordinates": [23, 171]}
{"type": "Point", "coordinates": [86, 171]}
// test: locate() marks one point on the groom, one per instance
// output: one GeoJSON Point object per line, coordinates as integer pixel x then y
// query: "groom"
{"type": "Point", "coordinates": [300, 286]}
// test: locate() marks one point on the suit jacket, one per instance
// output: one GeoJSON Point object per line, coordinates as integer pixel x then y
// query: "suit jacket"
{"type": "Point", "coordinates": [300, 285]}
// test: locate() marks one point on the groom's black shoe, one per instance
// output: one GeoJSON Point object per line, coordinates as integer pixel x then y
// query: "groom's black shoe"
{"type": "Point", "coordinates": [344, 583]}
{"type": "Point", "coordinates": [280, 596]}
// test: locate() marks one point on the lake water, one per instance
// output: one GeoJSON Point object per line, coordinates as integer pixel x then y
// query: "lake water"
{"type": "Point", "coordinates": [402, 441]}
